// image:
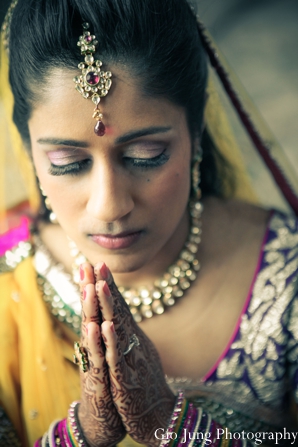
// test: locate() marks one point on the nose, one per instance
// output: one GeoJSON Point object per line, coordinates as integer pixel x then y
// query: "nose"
{"type": "Point", "coordinates": [110, 195]}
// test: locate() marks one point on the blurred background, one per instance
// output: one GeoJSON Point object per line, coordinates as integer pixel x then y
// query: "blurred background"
{"type": "Point", "coordinates": [259, 39]}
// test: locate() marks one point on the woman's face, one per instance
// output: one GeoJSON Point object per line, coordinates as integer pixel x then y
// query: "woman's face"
{"type": "Point", "coordinates": [121, 197]}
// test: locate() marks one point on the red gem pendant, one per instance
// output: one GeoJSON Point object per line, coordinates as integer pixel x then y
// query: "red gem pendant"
{"type": "Point", "coordinates": [92, 78]}
{"type": "Point", "coordinates": [99, 129]}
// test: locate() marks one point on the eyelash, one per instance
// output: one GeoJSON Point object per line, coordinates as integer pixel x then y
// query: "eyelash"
{"type": "Point", "coordinates": [71, 169]}
{"type": "Point", "coordinates": [79, 166]}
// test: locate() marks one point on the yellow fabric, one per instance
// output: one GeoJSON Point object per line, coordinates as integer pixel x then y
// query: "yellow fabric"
{"type": "Point", "coordinates": [36, 357]}
{"type": "Point", "coordinates": [218, 126]}
{"type": "Point", "coordinates": [11, 141]}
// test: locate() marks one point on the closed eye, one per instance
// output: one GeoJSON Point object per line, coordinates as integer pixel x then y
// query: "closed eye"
{"type": "Point", "coordinates": [146, 163]}
{"type": "Point", "coordinates": [71, 168]}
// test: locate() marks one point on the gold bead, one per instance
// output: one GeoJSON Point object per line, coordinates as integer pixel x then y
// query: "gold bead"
{"type": "Point", "coordinates": [173, 281]}
{"type": "Point", "coordinates": [168, 290]}
{"type": "Point", "coordinates": [147, 301]}
{"type": "Point", "coordinates": [177, 292]}
{"type": "Point", "coordinates": [193, 248]}
{"type": "Point", "coordinates": [157, 307]}
{"type": "Point", "coordinates": [196, 265]}
{"type": "Point", "coordinates": [146, 311]}
{"type": "Point", "coordinates": [144, 293]}
{"type": "Point", "coordinates": [168, 300]}
{"type": "Point", "coordinates": [136, 315]}
{"type": "Point", "coordinates": [156, 294]}
{"type": "Point", "coordinates": [175, 270]}
{"type": "Point", "coordinates": [135, 300]}
{"type": "Point", "coordinates": [184, 283]}
{"type": "Point", "coordinates": [195, 230]}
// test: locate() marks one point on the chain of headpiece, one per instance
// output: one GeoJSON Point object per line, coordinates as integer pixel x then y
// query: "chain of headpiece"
{"type": "Point", "coordinates": [92, 83]}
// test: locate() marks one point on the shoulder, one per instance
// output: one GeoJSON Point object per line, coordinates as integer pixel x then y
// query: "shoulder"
{"type": "Point", "coordinates": [234, 227]}
{"type": "Point", "coordinates": [15, 244]}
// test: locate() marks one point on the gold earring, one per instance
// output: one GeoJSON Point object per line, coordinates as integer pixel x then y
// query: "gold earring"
{"type": "Point", "coordinates": [196, 175]}
{"type": "Point", "coordinates": [52, 216]}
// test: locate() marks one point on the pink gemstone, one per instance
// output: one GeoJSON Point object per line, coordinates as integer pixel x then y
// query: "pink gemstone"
{"type": "Point", "coordinates": [92, 78]}
{"type": "Point", "coordinates": [88, 39]}
{"type": "Point", "coordinates": [99, 128]}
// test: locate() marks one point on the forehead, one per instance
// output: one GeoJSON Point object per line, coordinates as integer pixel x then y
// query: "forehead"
{"type": "Point", "coordinates": [63, 109]}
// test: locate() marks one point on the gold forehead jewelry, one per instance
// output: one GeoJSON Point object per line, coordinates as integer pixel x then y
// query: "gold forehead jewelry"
{"type": "Point", "coordinates": [146, 302]}
{"type": "Point", "coordinates": [92, 83]}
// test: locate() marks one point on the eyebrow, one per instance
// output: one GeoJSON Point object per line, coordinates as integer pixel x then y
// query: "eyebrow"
{"type": "Point", "coordinates": [123, 139]}
{"type": "Point", "coordinates": [141, 133]}
{"type": "Point", "coordinates": [61, 142]}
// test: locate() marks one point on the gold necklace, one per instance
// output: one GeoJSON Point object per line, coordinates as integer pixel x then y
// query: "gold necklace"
{"type": "Point", "coordinates": [145, 302]}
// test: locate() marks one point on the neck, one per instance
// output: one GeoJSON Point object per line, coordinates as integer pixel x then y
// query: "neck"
{"type": "Point", "coordinates": [169, 253]}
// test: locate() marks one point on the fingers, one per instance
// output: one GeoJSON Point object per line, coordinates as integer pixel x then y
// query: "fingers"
{"type": "Point", "coordinates": [113, 354]}
{"type": "Point", "coordinates": [90, 305]}
{"type": "Point", "coordinates": [105, 299]}
{"type": "Point", "coordinates": [108, 307]}
{"type": "Point", "coordinates": [119, 374]}
{"type": "Point", "coordinates": [89, 302]}
{"type": "Point", "coordinates": [96, 353]}
{"type": "Point", "coordinates": [95, 382]}
{"type": "Point", "coordinates": [86, 274]}
{"type": "Point", "coordinates": [101, 272]}
{"type": "Point", "coordinates": [112, 304]}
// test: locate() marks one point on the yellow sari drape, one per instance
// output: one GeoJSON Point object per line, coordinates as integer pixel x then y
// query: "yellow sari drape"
{"type": "Point", "coordinates": [38, 379]}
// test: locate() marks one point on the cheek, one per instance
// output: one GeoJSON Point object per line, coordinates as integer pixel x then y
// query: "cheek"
{"type": "Point", "coordinates": [59, 192]}
{"type": "Point", "coordinates": [170, 191]}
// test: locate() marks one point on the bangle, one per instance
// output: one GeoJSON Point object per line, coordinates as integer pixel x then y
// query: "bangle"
{"type": "Point", "coordinates": [53, 441]}
{"type": "Point", "coordinates": [74, 427]}
{"type": "Point", "coordinates": [175, 419]}
{"type": "Point", "coordinates": [64, 433]}
{"type": "Point", "coordinates": [45, 440]}
{"type": "Point", "coordinates": [193, 427]}
{"type": "Point", "coordinates": [180, 425]}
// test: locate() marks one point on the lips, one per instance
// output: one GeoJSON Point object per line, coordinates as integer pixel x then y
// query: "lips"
{"type": "Point", "coordinates": [118, 241]}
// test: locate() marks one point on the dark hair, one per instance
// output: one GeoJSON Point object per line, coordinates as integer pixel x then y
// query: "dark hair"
{"type": "Point", "coordinates": [156, 40]}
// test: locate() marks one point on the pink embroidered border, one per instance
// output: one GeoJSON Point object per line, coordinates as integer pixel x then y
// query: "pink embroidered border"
{"type": "Point", "coordinates": [15, 235]}
{"type": "Point", "coordinates": [246, 303]}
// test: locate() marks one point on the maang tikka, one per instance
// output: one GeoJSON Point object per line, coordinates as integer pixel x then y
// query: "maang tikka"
{"type": "Point", "coordinates": [92, 83]}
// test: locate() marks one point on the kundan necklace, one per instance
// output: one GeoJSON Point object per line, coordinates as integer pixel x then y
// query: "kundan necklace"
{"type": "Point", "coordinates": [145, 302]}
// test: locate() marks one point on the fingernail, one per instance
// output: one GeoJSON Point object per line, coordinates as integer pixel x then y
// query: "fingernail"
{"type": "Point", "coordinates": [84, 293]}
{"type": "Point", "coordinates": [106, 290]}
{"type": "Point", "coordinates": [104, 271]}
{"type": "Point", "coordinates": [112, 328]}
{"type": "Point", "coordinates": [82, 273]}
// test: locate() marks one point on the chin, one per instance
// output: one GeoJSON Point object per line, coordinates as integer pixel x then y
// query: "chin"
{"type": "Point", "coordinates": [121, 263]}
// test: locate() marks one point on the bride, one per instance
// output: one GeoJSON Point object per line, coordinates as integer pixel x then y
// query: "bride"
{"type": "Point", "coordinates": [141, 225]}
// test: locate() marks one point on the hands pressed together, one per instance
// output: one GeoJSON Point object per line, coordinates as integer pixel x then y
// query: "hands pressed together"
{"type": "Point", "coordinates": [120, 394]}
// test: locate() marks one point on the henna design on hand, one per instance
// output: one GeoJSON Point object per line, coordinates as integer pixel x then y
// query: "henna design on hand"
{"type": "Point", "coordinates": [137, 383]}
{"type": "Point", "coordinates": [100, 422]}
